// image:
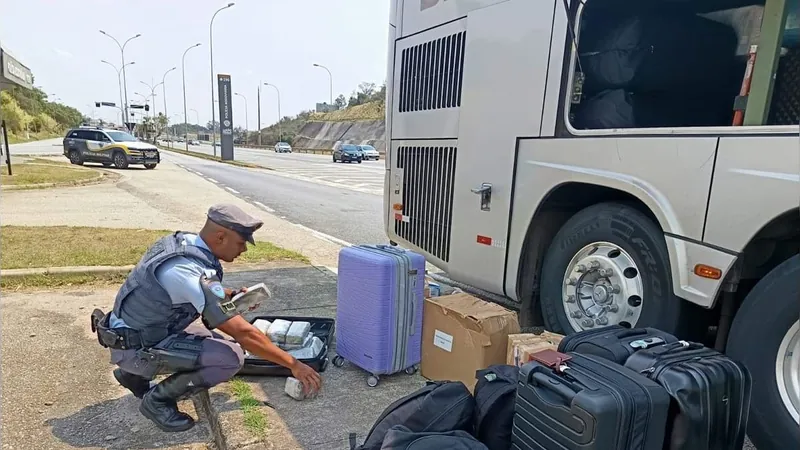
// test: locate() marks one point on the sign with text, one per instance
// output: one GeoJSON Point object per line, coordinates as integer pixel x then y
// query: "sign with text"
{"type": "Point", "coordinates": [225, 116]}
{"type": "Point", "coordinates": [15, 72]}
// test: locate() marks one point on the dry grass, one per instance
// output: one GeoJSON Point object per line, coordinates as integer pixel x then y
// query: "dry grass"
{"type": "Point", "coordinates": [367, 111]}
{"type": "Point", "coordinates": [59, 281]}
{"type": "Point", "coordinates": [40, 171]}
{"type": "Point", "coordinates": [61, 246]}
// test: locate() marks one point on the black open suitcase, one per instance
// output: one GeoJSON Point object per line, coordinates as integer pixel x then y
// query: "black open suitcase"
{"type": "Point", "coordinates": [591, 404]}
{"type": "Point", "coordinates": [322, 327]}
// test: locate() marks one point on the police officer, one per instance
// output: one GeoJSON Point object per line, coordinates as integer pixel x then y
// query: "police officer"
{"type": "Point", "coordinates": [150, 330]}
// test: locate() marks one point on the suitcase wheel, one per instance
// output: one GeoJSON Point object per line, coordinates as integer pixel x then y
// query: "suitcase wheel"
{"type": "Point", "coordinates": [338, 361]}
{"type": "Point", "coordinates": [411, 370]}
{"type": "Point", "coordinates": [324, 365]}
{"type": "Point", "coordinates": [372, 381]}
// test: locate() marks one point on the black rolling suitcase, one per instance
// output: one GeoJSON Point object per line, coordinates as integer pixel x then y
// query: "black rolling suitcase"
{"type": "Point", "coordinates": [614, 343]}
{"type": "Point", "coordinates": [710, 392]}
{"type": "Point", "coordinates": [587, 403]}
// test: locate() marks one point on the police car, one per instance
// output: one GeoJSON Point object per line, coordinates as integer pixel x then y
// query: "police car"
{"type": "Point", "coordinates": [109, 147]}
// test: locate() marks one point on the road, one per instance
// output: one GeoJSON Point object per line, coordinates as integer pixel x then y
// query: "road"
{"type": "Point", "coordinates": [39, 148]}
{"type": "Point", "coordinates": [342, 213]}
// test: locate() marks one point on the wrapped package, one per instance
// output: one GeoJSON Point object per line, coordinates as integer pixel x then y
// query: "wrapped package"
{"type": "Point", "coordinates": [277, 331]}
{"type": "Point", "coordinates": [310, 351]}
{"type": "Point", "coordinates": [522, 346]}
{"type": "Point", "coordinates": [297, 333]}
{"type": "Point", "coordinates": [294, 389]}
{"type": "Point", "coordinates": [305, 343]}
{"type": "Point", "coordinates": [262, 325]}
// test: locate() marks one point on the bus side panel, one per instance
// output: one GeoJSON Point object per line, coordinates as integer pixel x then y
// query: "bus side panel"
{"type": "Point", "coordinates": [420, 15]}
{"type": "Point", "coordinates": [507, 51]}
{"type": "Point", "coordinates": [756, 180]}
{"type": "Point", "coordinates": [671, 175]}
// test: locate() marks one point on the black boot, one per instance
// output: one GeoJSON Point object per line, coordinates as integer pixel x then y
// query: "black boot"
{"type": "Point", "coordinates": [160, 403]}
{"type": "Point", "coordinates": [134, 383]}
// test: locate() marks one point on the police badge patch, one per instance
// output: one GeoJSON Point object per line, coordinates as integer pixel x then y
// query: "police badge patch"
{"type": "Point", "coordinates": [217, 289]}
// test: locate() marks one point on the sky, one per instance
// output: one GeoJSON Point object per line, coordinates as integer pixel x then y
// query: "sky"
{"type": "Point", "coordinates": [274, 41]}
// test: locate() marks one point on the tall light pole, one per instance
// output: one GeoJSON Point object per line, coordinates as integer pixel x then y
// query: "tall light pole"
{"type": "Point", "coordinates": [152, 94]}
{"type": "Point", "coordinates": [164, 90]}
{"type": "Point", "coordinates": [246, 120]}
{"type": "Point", "coordinates": [196, 116]}
{"type": "Point", "coordinates": [185, 118]}
{"type": "Point", "coordinates": [259, 112]}
{"type": "Point", "coordinates": [211, 54]}
{"type": "Point", "coordinates": [280, 128]}
{"type": "Point", "coordinates": [124, 76]}
{"type": "Point", "coordinates": [119, 83]}
{"type": "Point", "coordinates": [329, 76]}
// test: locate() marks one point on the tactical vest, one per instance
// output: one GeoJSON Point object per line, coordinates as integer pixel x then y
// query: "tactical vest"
{"type": "Point", "coordinates": [145, 306]}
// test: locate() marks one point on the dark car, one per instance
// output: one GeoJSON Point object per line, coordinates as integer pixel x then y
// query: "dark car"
{"type": "Point", "coordinates": [347, 153]}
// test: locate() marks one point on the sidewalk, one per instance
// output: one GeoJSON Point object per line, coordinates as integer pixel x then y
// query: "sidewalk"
{"type": "Point", "coordinates": [165, 198]}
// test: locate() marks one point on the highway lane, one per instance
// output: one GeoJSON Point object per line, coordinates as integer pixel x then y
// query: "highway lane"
{"type": "Point", "coordinates": [347, 215]}
{"type": "Point", "coordinates": [48, 147]}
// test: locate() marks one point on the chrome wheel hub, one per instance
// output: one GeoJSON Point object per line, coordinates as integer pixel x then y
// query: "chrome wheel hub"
{"type": "Point", "coordinates": [602, 286]}
{"type": "Point", "coordinates": [787, 371]}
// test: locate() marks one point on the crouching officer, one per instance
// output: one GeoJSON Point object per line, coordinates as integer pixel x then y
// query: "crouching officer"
{"type": "Point", "coordinates": [150, 331]}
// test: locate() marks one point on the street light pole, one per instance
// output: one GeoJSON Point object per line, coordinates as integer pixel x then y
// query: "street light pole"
{"type": "Point", "coordinates": [211, 54]}
{"type": "Point", "coordinates": [119, 83]}
{"type": "Point", "coordinates": [329, 76]}
{"type": "Point", "coordinates": [246, 119]}
{"type": "Point", "coordinates": [185, 117]}
{"type": "Point", "coordinates": [280, 127]}
{"type": "Point", "coordinates": [259, 112]}
{"type": "Point", "coordinates": [196, 116]}
{"type": "Point", "coordinates": [153, 95]}
{"type": "Point", "coordinates": [124, 75]}
{"type": "Point", "coordinates": [164, 89]}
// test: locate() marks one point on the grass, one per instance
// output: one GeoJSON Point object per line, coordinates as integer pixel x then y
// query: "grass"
{"type": "Point", "coordinates": [14, 139]}
{"type": "Point", "coordinates": [254, 418]}
{"type": "Point", "coordinates": [367, 111]}
{"type": "Point", "coordinates": [56, 281]}
{"type": "Point", "coordinates": [61, 246]}
{"type": "Point", "coordinates": [41, 171]}
{"type": "Point", "coordinates": [212, 158]}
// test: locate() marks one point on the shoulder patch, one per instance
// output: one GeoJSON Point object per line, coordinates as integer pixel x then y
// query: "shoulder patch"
{"type": "Point", "coordinates": [217, 289]}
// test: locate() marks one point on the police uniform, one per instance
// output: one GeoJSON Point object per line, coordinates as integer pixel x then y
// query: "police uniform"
{"type": "Point", "coordinates": [151, 329]}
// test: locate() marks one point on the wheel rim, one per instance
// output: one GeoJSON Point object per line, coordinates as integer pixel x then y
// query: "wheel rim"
{"type": "Point", "coordinates": [602, 286]}
{"type": "Point", "coordinates": [119, 160]}
{"type": "Point", "coordinates": [73, 157]}
{"type": "Point", "coordinates": [787, 371]}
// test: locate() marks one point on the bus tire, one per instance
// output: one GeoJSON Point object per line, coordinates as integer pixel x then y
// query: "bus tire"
{"type": "Point", "coordinates": [639, 281]}
{"type": "Point", "coordinates": [762, 323]}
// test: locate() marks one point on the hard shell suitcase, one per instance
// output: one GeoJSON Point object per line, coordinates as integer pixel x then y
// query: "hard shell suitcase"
{"type": "Point", "coordinates": [590, 403]}
{"type": "Point", "coordinates": [614, 343]}
{"type": "Point", "coordinates": [710, 394]}
{"type": "Point", "coordinates": [379, 309]}
{"type": "Point", "coordinates": [321, 327]}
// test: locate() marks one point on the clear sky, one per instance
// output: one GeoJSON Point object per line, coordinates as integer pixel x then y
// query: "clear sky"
{"type": "Point", "coordinates": [274, 41]}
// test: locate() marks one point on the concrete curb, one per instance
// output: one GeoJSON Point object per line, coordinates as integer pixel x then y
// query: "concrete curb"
{"type": "Point", "coordinates": [26, 187]}
{"type": "Point", "coordinates": [74, 270]}
{"type": "Point", "coordinates": [202, 404]}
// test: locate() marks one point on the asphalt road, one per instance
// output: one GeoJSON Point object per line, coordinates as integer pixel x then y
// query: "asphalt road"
{"type": "Point", "coordinates": [343, 213]}
{"type": "Point", "coordinates": [39, 148]}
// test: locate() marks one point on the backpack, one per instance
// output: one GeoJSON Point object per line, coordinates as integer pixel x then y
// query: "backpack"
{"type": "Point", "coordinates": [439, 406]}
{"type": "Point", "coordinates": [401, 438]}
{"type": "Point", "coordinates": [495, 396]}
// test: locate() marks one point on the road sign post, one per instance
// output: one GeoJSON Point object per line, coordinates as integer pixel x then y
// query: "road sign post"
{"type": "Point", "coordinates": [5, 144]}
{"type": "Point", "coordinates": [225, 116]}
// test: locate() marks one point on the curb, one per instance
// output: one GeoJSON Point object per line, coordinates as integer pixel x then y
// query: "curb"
{"type": "Point", "coordinates": [202, 404]}
{"type": "Point", "coordinates": [27, 187]}
{"type": "Point", "coordinates": [75, 270]}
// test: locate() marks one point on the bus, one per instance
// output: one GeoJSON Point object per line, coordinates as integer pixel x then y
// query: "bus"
{"type": "Point", "coordinates": [592, 184]}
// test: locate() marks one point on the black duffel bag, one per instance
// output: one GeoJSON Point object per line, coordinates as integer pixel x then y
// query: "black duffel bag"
{"type": "Point", "coordinates": [401, 438]}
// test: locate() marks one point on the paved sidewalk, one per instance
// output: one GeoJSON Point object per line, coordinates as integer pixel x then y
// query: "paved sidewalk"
{"type": "Point", "coordinates": [165, 198]}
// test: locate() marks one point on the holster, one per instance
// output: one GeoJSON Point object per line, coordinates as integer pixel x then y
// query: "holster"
{"type": "Point", "coordinates": [178, 353]}
{"type": "Point", "coordinates": [118, 339]}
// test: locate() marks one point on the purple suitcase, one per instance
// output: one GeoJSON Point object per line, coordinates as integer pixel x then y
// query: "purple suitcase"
{"type": "Point", "coordinates": [379, 309]}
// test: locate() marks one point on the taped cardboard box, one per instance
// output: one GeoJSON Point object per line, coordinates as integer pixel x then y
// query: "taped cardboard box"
{"type": "Point", "coordinates": [462, 334]}
{"type": "Point", "coordinates": [522, 346]}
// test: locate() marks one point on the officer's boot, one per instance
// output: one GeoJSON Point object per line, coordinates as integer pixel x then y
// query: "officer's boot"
{"type": "Point", "coordinates": [160, 403]}
{"type": "Point", "coordinates": [134, 383]}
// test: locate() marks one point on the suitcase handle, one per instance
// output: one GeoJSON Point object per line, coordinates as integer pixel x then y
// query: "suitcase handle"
{"type": "Point", "coordinates": [389, 248]}
{"type": "Point", "coordinates": [630, 332]}
{"type": "Point", "coordinates": [558, 387]}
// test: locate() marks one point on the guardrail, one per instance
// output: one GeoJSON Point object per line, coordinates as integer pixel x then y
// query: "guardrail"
{"type": "Point", "coordinates": [313, 151]}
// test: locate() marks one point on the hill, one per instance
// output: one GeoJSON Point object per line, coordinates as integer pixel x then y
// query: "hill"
{"type": "Point", "coordinates": [30, 116]}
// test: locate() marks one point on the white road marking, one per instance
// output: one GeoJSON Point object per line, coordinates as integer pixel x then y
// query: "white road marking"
{"type": "Point", "coordinates": [333, 269]}
{"type": "Point", "coordinates": [324, 237]}
{"type": "Point", "coordinates": [264, 207]}
{"type": "Point", "coordinates": [212, 180]}
{"type": "Point", "coordinates": [232, 190]}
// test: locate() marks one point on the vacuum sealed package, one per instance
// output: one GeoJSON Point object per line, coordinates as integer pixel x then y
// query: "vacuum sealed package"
{"type": "Point", "coordinates": [294, 389]}
{"type": "Point", "coordinates": [262, 325]}
{"type": "Point", "coordinates": [310, 351]}
{"type": "Point", "coordinates": [306, 342]}
{"type": "Point", "coordinates": [297, 333]}
{"type": "Point", "coordinates": [277, 331]}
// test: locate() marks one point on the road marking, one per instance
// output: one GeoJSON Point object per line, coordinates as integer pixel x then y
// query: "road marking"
{"type": "Point", "coordinates": [332, 269]}
{"type": "Point", "coordinates": [232, 190]}
{"type": "Point", "coordinates": [212, 180]}
{"type": "Point", "coordinates": [264, 207]}
{"type": "Point", "coordinates": [324, 237]}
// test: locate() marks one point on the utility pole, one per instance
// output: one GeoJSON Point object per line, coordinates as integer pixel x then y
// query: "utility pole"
{"type": "Point", "coordinates": [259, 113]}
{"type": "Point", "coordinates": [185, 118]}
{"type": "Point", "coordinates": [124, 75]}
{"type": "Point", "coordinates": [211, 57]}
{"type": "Point", "coordinates": [164, 89]}
{"type": "Point", "coordinates": [280, 127]}
{"type": "Point", "coordinates": [246, 119]}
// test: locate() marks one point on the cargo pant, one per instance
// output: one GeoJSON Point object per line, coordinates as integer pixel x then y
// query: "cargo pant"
{"type": "Point", "coordinates": [218, 361]}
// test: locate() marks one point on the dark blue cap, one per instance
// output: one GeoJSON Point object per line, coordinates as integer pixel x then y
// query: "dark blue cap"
{"type": "Point", "coordinates": [233, 218]}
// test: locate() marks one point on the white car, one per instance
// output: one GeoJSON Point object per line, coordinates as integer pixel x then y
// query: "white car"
{"type": "Point", "coordinates": [283, 147]}
{"type": "Point", "coordinates": [369, 152]}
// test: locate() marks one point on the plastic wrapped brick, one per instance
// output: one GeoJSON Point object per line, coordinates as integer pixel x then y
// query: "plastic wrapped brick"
{"type": "Point", "coordinates": [306, 342]}
{"type": "Point", "coordinates": [277, 331]}
{"type": "Point", "coordinates": [297, 333]}
{"type": "Point", "coordinates": [310, 351]}
{"type": "Point", "coordinates": [262, 325]}
{"type": "Point", "coordinates": [294, 389]}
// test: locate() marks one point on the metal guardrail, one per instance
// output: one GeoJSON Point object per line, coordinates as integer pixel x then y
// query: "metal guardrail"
{"type": "Point", "coordinates": [313, 151]}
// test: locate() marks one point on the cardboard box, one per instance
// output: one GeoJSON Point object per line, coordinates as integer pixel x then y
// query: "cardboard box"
{"type": "Point", "coordinates": [522, 346]}
{"type": "Point", "coordinates": [462, 334]}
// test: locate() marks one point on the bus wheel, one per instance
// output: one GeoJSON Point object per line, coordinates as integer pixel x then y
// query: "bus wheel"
{"type": "Point", "coordinates": [765, 337]}
{"type": "Point", "coordinates": [609, 265]}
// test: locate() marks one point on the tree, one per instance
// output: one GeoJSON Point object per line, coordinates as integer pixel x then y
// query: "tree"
{"type": "Point", "coordinates": [340, 101]}
{"type": "Point", "coordinates": [154, 126]}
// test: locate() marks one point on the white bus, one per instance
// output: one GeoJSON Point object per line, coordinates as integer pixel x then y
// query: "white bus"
{"type": "Point", "coordinates": [518, 166]}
